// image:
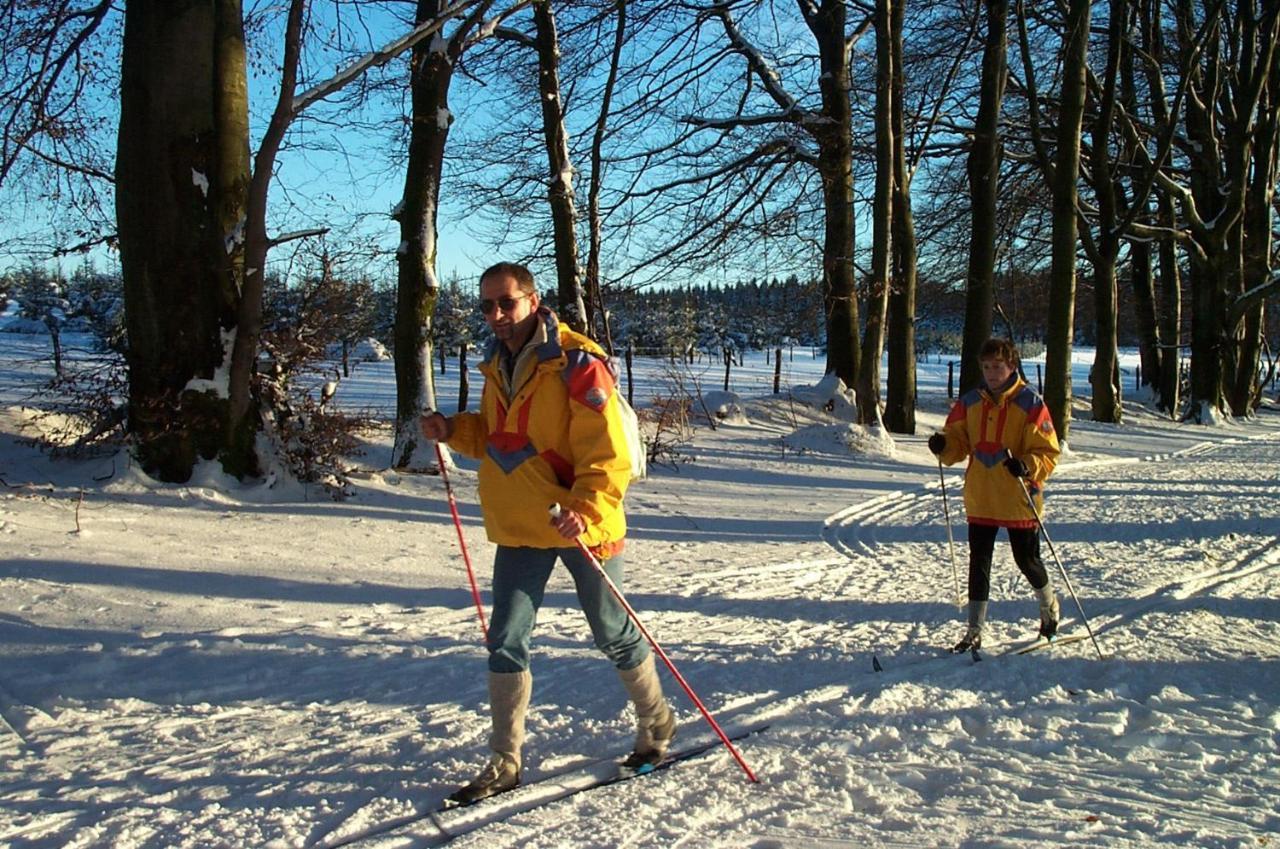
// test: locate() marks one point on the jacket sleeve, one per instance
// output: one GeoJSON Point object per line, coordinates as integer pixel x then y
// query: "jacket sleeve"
{"type": "Point", "coordinates": [469, 434]}
{"type": "Point", "coordinates": [602, 467]}
{"type": "Point", "coordinates": [956, 430]}
{"type": "Point", "coordinates": [1039, 442]}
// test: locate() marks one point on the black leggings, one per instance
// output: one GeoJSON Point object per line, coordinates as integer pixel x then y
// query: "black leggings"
{"type": "Point", "coordinates": [1025, 543]}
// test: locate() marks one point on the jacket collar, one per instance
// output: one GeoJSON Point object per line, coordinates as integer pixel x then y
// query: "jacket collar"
{"type": "Point", "coordinates": [513, 370]}
{"type": "Point", "coordinates": [1005, 391]}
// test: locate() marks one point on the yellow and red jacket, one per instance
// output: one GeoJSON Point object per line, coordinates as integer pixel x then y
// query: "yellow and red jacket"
{"type": "Point", "coordinates": [982, 426]}
{"type": "Point", "coordinates": [553, 435]}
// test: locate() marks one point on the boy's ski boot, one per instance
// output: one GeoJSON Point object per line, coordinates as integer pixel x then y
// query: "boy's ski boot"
{"type": "Point", "coordinates": [972, 641]}
{"type": "Point", "coordinates": [1050, 611]}
{"type": "Point", "coordinates": [973, 637]}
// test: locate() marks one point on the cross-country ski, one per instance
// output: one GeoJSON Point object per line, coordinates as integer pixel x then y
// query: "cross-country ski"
{"type": "Point", "coordinates": [448, 821]}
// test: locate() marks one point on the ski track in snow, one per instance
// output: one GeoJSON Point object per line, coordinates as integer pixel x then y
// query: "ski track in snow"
{"type": "Point", "coordinates": [195, 669]}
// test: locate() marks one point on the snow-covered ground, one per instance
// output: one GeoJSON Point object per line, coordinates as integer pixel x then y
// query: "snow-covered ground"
{"type": "Point", "coordinates": [213, 665]}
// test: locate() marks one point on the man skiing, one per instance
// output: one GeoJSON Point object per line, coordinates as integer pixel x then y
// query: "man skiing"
{"type": "Point", "coordinates": [548, 432]}
{"type": "Point", "coordinates": [1006, 432]}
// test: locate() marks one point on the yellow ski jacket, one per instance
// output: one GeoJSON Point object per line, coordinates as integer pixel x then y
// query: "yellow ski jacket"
{"type": "Point", "coordinates": [548, 432]}
{"type": "Point", "coordinates": [982, 426]}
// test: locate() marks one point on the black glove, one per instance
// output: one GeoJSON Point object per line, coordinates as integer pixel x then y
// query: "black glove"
{"type": "Point", "coordinates": [938, 443]}
{"type": "Point", "coordinates": [1016, 467]}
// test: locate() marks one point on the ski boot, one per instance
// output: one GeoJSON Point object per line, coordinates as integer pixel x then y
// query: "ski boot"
{"type": "Point", "coordinates": [973, 637]}
{"type": "Point", "coordinates": [1049, 611]}
{"type": "Point", "coordinates": [500, 774]}
{"type": "Point", "coordinates": [972, 641]}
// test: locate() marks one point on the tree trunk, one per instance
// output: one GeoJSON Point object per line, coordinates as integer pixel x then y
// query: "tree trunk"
{"type": "Point", "coordinates": [900, 396]}
{"type": "Point", "coordinates": [983, 168]}
{"type": "Point", "coordinates": [417, 285]}
{"type": "Point", "coordinates": [1258, 239]}
{"type": "Point", "coordinates": [1142, 281]}
{"type": "Point", "coordinates": [1227, 94]}
{"type": "Point", "coordinates": [247, 405]}
{"type": "Point", "coordinates": [1170, 314]}
{"type": "Point", "coordinates": [1141, 273]}
{"type": "Point", "coordinates": [835, 166]}
{"type": "Point", "coordinates": [1169, 298]}
{"type": "Point", "coordinates": [868, 396]}
{"type": "Point", "coordinates": [560, 188]}
{"type": "Point", "coordinates": [1062, 274]}
{"type": "Point", "coordinates": [182, 176]}
{"type": "Point", "coordinates": [1105, 402]}
{"type": "Point", "coordinates": [597, 323]}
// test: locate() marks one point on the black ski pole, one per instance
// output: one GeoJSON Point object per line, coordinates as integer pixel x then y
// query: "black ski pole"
{"type": "Point", "coordinates": [1031, 503]}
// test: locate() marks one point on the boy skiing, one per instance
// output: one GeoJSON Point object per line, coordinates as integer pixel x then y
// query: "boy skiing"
{"type": "Point", "coordinates": [1005, 430]}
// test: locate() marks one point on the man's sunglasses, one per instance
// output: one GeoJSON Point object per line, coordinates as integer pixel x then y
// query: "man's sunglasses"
{"type": "Point", "coordinates": [507, 302]}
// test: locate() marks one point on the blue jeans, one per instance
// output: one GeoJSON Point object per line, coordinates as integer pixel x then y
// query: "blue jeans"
{"type": "Point", "coordinates": [520, 578]}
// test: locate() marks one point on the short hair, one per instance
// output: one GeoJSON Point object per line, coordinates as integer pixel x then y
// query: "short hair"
{"type": "Point", "coordinates": [1000, 349]}
{"type": "Point", "coordinates": [523, 276]}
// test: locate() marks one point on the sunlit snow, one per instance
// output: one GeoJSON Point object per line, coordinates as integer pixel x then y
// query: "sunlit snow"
{"type": "Point", "coordinates": [222, 664]}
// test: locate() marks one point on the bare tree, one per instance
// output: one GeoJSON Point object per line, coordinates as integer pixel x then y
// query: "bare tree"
{"type": "Point", "coordinates": [1227, 88]}
{"type": "Point", "coordinates": [431, 75]}
{"type": "Point", "coordinates": [44, 68]}
{"type": "Point", "coordinates": [596, 315]}
{"type": "Point", "coordinates": [55, 71]}
{"type": "Point", "coordinates": [829, 128]}
{"type": "Point", "coordinates": [882, 220]}
{"type": "Point", "coordinates": [1104, 250]}
{"type": "Point", "coordinates": [900, 394]}
{"type": "Point", "coordinates": [564, 213]}
{"type": "Point", "coordinates": [1062, 174]}
{"type": "Point", "coordinates": [983, 170]}
{"type": "Point", "coordinates": [191, 209]}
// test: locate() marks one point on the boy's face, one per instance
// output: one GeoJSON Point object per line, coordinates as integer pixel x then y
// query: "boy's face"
{"type": "Point", "coordinates": [996, 372]}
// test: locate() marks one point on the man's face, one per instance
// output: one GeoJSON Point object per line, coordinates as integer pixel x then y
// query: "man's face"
{"type": "Point", "coordinates": [509, 312]}
{"type": "Point", "coordinates": [995, 373]}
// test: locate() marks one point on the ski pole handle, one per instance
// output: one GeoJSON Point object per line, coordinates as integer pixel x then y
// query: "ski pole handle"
{"type": "Point", "coordinates": [556, 511]}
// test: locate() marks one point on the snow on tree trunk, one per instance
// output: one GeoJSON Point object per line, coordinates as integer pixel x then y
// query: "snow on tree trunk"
{"type": "Point", "coordinates": [417, 286]}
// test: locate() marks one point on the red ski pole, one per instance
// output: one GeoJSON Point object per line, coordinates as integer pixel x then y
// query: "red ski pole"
{"type": "Point", "coordinates": [617, 593]}
{"type": "Point", "coordinates": [462, 542]}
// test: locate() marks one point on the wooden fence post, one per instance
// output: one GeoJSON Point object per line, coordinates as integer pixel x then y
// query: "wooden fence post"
{"type": "Point", "coordinates": [464, 385]}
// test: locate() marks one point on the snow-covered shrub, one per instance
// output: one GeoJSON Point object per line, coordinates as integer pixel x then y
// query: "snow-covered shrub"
{"type": "Point", "coordinates": [726, 407]}
{"type": "Point", "coordinates": [369, 350]}
{"type": "Point", "coordinates": [842, 439]}
{"type": "Point", "coordinates": [313, 440]}
{"type": "Point", "coordinates": [83, 410]}
{"type": "Point", "coordinates": [303, 324]}
{"type": "Point", "coordinates": [829, 394]}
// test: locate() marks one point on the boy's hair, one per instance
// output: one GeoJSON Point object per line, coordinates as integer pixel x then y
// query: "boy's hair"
{"type": "Point", "coordinates": [523, 276]}
{"type": "Point", "coordinates": [1000, 349]}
